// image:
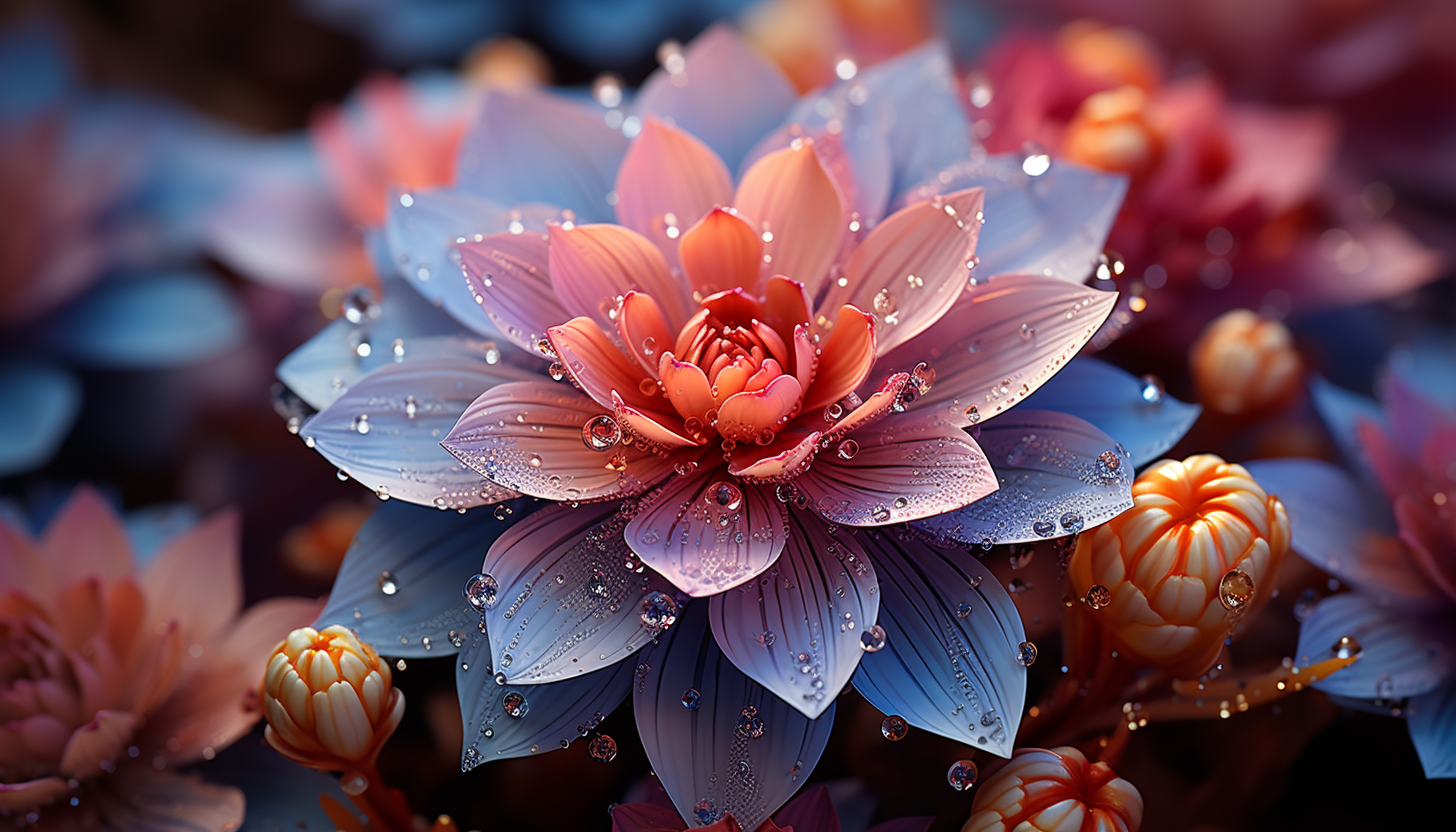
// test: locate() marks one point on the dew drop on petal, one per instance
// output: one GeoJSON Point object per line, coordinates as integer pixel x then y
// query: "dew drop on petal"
{"type": "Point", "coordinates": [691, 699]}
{"type": "Point", "coordinates": [961, 775]}
{"type": "Point", "coordinates": [1152, 390]}
{"type": "Point", "coordinates": [894, 728]}
{"type": "Point", "coordinates": [848, 448]}
{"type": "Point", "coordinates": [603, 749]}
{"type": "Point", "coordinates": [659, 611]}
{"type": "Point", "coordinates": [873, 640]}
{"type": "Point", "coordinates": [601, 433]}
{"type": "Point", "coordinates": [1345, 648]}
{"type": "Point", "coordinates": [1025, 654]}
{"type": "Point", "coordinates": [481, 590]}
{"type": "Point", "coordinates": [1097, 597]}
{"type": "Point", "coordinates": [1235, 589]}
{"type": "Point", "coordinates": [515, 704]}
{"type": "Point", "coordinates": [388, 584]}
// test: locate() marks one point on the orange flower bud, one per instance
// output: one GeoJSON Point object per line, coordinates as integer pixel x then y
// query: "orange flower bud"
{"type": "Point", "coordinates": [329, 700]}
{"type": "Point", "coordinates": [1111, 55]}
{"type": "Point", "coordinates": [1243, 363]}
{"type": "Point", "coordinates": [1172, 575]}
{"type": "Point", "coordinates": [1056, 790]}
{"type": "Point", "coordinates": [1116, 130]}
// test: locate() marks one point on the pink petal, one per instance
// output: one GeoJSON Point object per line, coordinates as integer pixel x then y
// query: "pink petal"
{"type": "Point", "coordinates": [687, 387]}
{"type": "Point", "coordinates": [905, 469]}
{"type": "Point", "coordinates": [845, 360]}
{"type": "Point", "coordinates": [86, 538]}
{"type": "Point", "coordinates": [143, 800]}
{"type": "Point", "coordinates": [103, 739]}
{"type": "Point", "coordinates": [707, 532]}
{"type": "Point", "coordinates": [594, 265]}
{"type": "Point", "coordinates": [913, 266]}
{"type": "Point", "coordinates": [806, 356]}
{"type": "Point", "coordinates": [878, 405]}
{"type": "Point", "coordinates": [1430, 549]}
{"type": "Point", "coordinates": [660, 431]}
{"type": "Point", "coordinates": [21, 563]}
{"type": "Point", "coordinates": [32, 794]}
{"type": "Point", "coordinates": [509, 276]}
{"type": "Point", "coordinates": [530, 434]}
{"type": "Point", "coordinates": [746, 416]}
{"type": "Point", "coordinates": [720, 252]}
{"type": "Point", "coordinates": [599, 368]}
{"type": "Point", "coordinates": [197, 578]}
{"type": "Point", "coordinates": [788, 456]}
{"type": "Point", "coordinates": [668, 180]}
{"type": "Point", "coordinates": [644, 329]}
{"type": "Point", "coordinates": [789, 194]}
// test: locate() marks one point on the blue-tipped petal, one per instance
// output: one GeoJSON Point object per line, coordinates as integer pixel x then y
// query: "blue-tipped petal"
{"type": "Point", "coordinates": [729, 97]}
{"type": "Point", "coordinates": [422, 230]}
{"type": "Point", "coordinates": [38, 405]}
{"type": "Point", "coordinates": [953, 635]}
{"type": "Point", "coordinates": [1342, 412]}
{"type": "Point", "coordinates": [1054, 224]}
{"type": "Point", "coordinates": [570, 594]}
{"type": "Point", "coordinates": [1432, 724]}
{"type": "Point", "coordinates": [1400, 656]}
{"type": "Point", "coordinates": [554, 716]}
{"type": "Point", "coordinates": [401, 587]}
{"type": "Point", "coordinates": [153, 322]}
{"type": "Point", "coordinates": [796, 630]}
{"type": "Point", "coordinates": [739, 749]}
{"type": "Point", "coordinates": [385, 431]}
{"type": "Point", "coordinates": [1058, 475]}
{"type": "Point", "coordinates": [1113, 401]}
{"type": "Point", "coordinates": [532, 146]}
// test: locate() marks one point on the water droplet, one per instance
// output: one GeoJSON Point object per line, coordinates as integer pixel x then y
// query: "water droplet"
{"type": "Point", "coordinates": [963, 609]}
{"type": "Point", "coordinates": [1097, 597]}
{"type": "Point", "coordinates": [848, 448]}
{"type": "Point", "coordinates": [880, 514]}
{"type": "Point", "coordinates": [515, 704]}
{"type": "Point", "coordinates": [1071, 521]}
{"type": "Point", "coordinates": [961, 775]}
{"type": "Point", "coordinates": [1025, 654]}
{"type": "Point", "coordinates": [1037, 161]}
{"type": "Point", "coordinates": [691, 699]}
{"type": "Point", "coordinates": [750, 724]}
{"type": "Point", "coordinates": [1044, 528]}
{"type": "Point", "coordinates": [481, 590]}
{"type": "Point", "coordinates": [1108, 464]}
{"type": "Point", "coordinates": [387, 583]}
{"type": "Point", "coordinates": [359, 305]}
{"type": "Point", "coordinates": [659, 611]}
{"type": "Point", "coordinates": [885, 303]}
{"type": "Point", "coordinates": [1027, 332]}
{"type": "Point", "coordinates": [597, 583]}
{"type": "Point", "coordinates": [360, 424]}
{"type": "Point", "coordinates": [1345, 648]}
{"type": "Point", "coordinates": [353, 784]}
{"type": "Point", "coordinates": [704, 812]}
{"type": "Point", "coordinates": [600, 433]}
{"type": "Point", "coordinates": [767, 638]}
{"type": "Point", "coordinates": [649, 344]}
{"type": "Point", "coordinates": [1152, 389]}
{"type": "Point", "coordinates": [726, 495]}
{"type": "Point", "coordinates": [534, 460]}
{"type": "Point", "coordinates": [873, 639]}
{"type": "Point", "coordinates": [557, 371]}
{"type": "Point", "coordinates": [1235, 589]}
{"type": "Point", "coordinates": [894, 728]}
{"type": "Point", "coordinates": [603, 749]}
{"type": "Point", "coordinates": [973, 414]}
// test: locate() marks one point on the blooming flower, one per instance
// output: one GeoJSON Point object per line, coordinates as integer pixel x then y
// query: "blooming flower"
{"type": "Point", "coordinates": [1055, 790]}
{"type": "Point", "coordinates": [1397, 554]}
{"type": "Point", "coordinates": [1198, 550]}
{"type": "Point", "coordinates": [116, 676]}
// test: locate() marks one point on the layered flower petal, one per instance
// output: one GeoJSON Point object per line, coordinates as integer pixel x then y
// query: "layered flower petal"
{"type": "Point", "coordinates": [599, 368]}
{"type": "Point", "coordinates": [753, 414]}
{"type": "Point", "coordinates": [509, 277]}
{"type": "Point", "coordinates": [1433, 730]}
{"type": "Point", "coordinates": [1401, 655]}
{"type": "Point", "coordinates": [644, 329]}
{"type": "Point", "coordinates": [1056, 790]}
{"type": "Point", "coordinates": [791, 199]}
{"type": "Point", "coordinates": [668, 180]}
{"type": "Point", "coordinates": [720, 252]}
{"type": "Point", "coordinates": [845, 359]}
{"type": "Point", "coordinates": [592, 266]}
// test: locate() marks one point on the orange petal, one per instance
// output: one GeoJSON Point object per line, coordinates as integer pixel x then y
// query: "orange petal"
{"type": "Point", "coordinates": [598, 367]}
{"type": "Point", "coordinates": [767, 372]}
{"type": "Point", "coordinates": [745, 416]}
{"type": "Point", "coordinates": [644, 329]}
{"type": "Point", "coordinates": [668, 179]}
{"type": "Point", "coordinates": [731, 380]}
{"type": "Point", "coordinates": [788, 456]}
{"type": "Point", "coordinates": [594, 265]}
{"type": "Point", "coordinates": [687, 388]}
{"type": "Point", "coordinates": [786, 305]}
{"type": "Point", "coordinates": [806, 356]}
{"type": "Point", "coordinates": [790, 196]}
{"type": "Point", "coordinates": [721, 252]}
{"type": "Point", "coordinates": [845, 360]}
{"type": "Point", "coordinates": [876, 406]}
{"type": "Point", "coordinates": [652, 428]}
{"type": "Point", "coordinates": [734, 307]}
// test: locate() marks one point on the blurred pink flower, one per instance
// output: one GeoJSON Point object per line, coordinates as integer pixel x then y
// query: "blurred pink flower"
{"type": "Point", "coordinates": [111, 678]}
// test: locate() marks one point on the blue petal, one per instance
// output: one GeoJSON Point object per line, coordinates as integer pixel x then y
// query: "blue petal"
{"type": "Point", "coordinates": [953, 635]}
{"type": "Point", "coordinates": [730, 95]}
{"type": "Point", "coordinates": [708, 757]}
{"type": "Point", "coordinates": [38, 405]}
{"type": "Point", "coordinates": [35, 69]}
{"type": "Point", "coordinates": [1432, 724]}
{"type": "Point", "coordinates": [422, 229]}
{"type": "Point", "coordinates": [570, 594]}
{"type": "Point", "coordinates": [1402, 655]}
{"type": "Point", "coordinates": [1055, 476]}
{"type": "Point", "coordinates": [1429, 365]}
{"type": "Point", "coordinates": [280, 794]}
{"type": "Point", "coordinates": [1342, 412]}
{"type": "Point", "coordinates": [153, 322]}
{"type": "Point", "coordinates": [556, 713]}
{"type": "Point", "coordinates": [1113, 401]}
{"type": "Point", "coordinates": [150, 528]}
{"type": "Point", "coordinates": [1054, 224]}
{"type": "Point", "coordinates": [532, 146]}
{"type": "Point", "coordinates": [797, 630]}
{"type": "Point", "coordinates": [428, 555]}
{"type": "Point", "coordinates": [385, 431]}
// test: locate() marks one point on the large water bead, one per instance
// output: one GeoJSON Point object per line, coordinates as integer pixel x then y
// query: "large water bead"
{"type": "Point", "coordinates": [1055, 790]}
{"type": "Point", "coordinates": [1197, 553]}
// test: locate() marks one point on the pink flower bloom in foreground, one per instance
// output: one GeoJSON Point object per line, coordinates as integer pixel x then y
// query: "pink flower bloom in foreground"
{"type": "Point", "coordinates": [111, 678]}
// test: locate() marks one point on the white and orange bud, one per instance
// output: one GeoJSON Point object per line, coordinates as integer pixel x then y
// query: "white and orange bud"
{"type": "Point", "coordinates": [1056, 790]}
{"type": "Point", "coordinates": [1116, 130]}
{"type": "Point", "coordinates": [1172, 575]}
{"type": "Point", "coordinates": [1243, 363]}
{"type": "Point", "coordinates": [329, 700]}
{"type": "Point", "coordinates": [1111, 55]}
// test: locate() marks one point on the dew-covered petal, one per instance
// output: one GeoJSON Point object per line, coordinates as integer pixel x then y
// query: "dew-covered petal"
{"type": "Point", "coordinates": [668, 180]}
{"type": "Point", "coordinates": [708, 532]}
{"type": "Point", "coordinates": [905, 469]}
{"type": "Point", "coordinates": [1432, 722]}
{"type": "Point", "coordinates": [1400, 654]}
{"type": "Point", "coordinates": [385, 431]}
{"type": "Point", "coordinates": [785, 457]}
{"type": "Point", "coordinates": [531, 146]}
{"type": "Point", "coordinates": [531, 435]}
{"type": "Point", "coordinates": [556, 714]}
{"type": "Point", "coordinates": [740, 749]}
{"type": "Point", "coordinates": [1001, 341]}
{"type": "Point", "coordinates": [600, 368]}
{"type": "Point", "coordinates": [687, 388]}
{"type": "Point", "coordinates": [401, 586]}
{"type": "Point", "coordinates": [728, 94]}
{"type": "Point", "coordinates": [1057, 474]}
{"type": "Point", "coordinates": [745, 416]}
{"type": "Point", "coordinates": [912, 267]}
{"type": "Point", "coordinates": [507, 278]}
{"type": "Point", "coordinates": [644, 330]}
{"type": "Point", "coordinates": [593, 266]}
{"type": "Point", "coordinates": [1114, 402]}
{"type": "Point", "coordinates": [796, 630]}
{"type": "Point", "coordinates": [147, 323]}
{"type": "Point", "coordinates": [790, 199]}
{"type": "Point", "coordinates": [952, 636]}
{"type": "Point", "coordinates": [571, 595]}
{"type": "Point", "coordinates": [38, 404]}
{"type": "Point", "coordinates": [721, 252]}
{"type": "Point", "coordinates": [845, 359]}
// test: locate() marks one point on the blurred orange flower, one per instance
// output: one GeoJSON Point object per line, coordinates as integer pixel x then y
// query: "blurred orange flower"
{"type": "Point", "coordinates": [1244, 364]}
